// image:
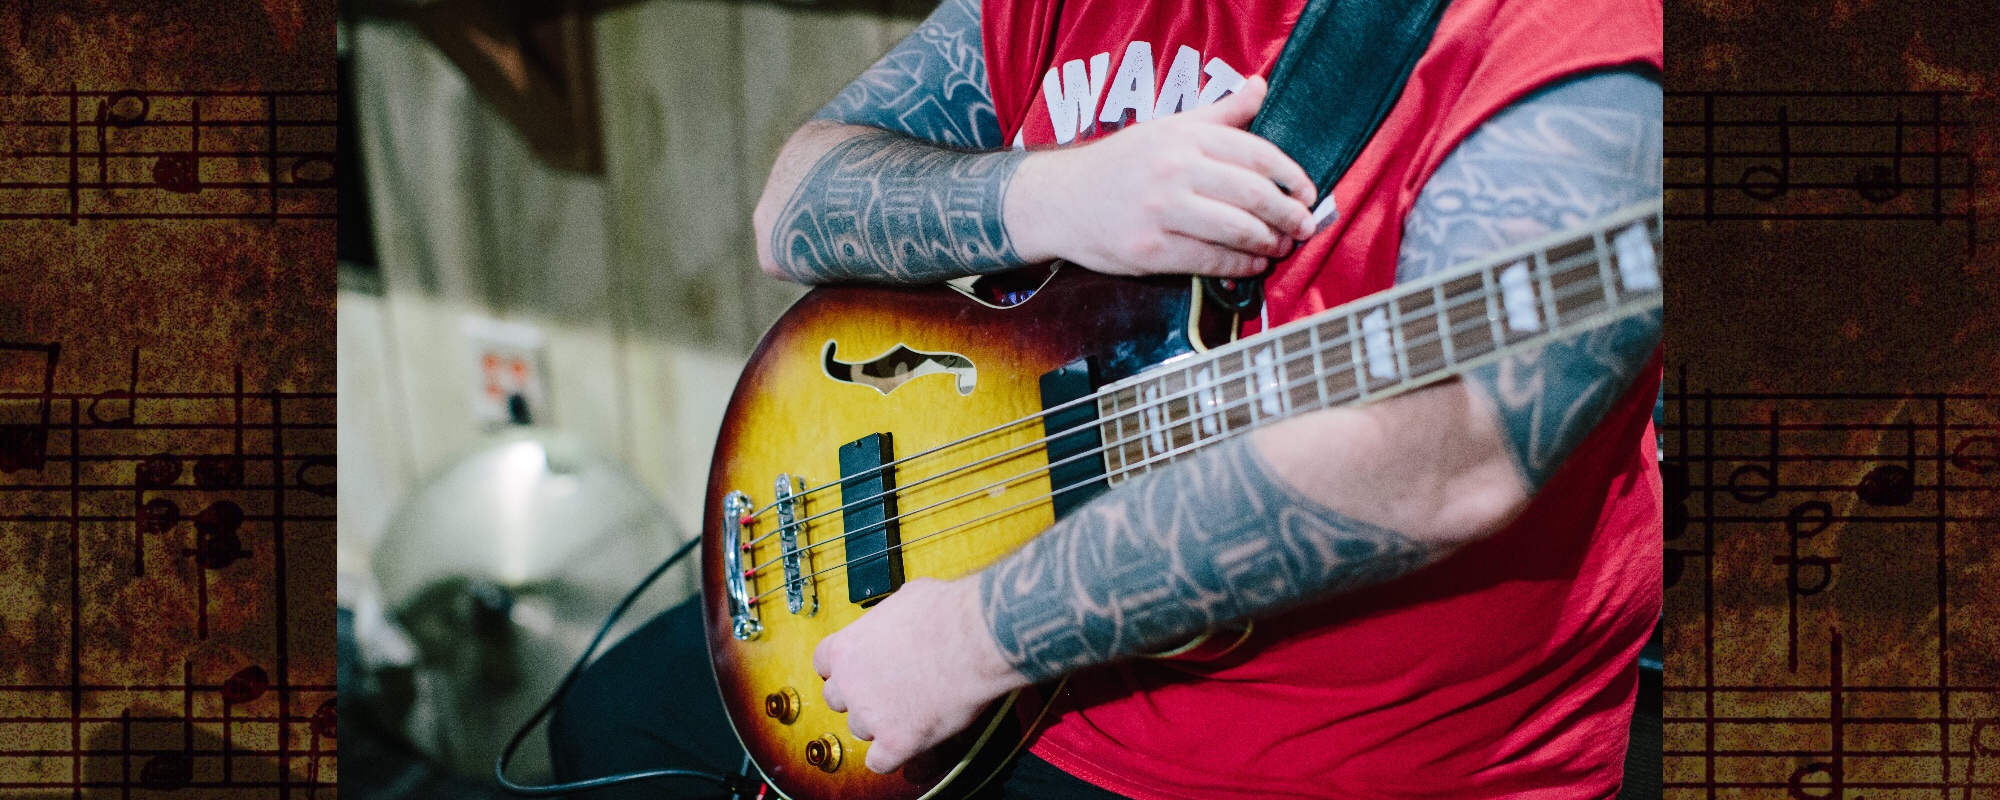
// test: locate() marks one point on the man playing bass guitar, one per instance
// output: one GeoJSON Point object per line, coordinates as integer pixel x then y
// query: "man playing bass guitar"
{"type": "Point", "coordinates": [1450, 586]}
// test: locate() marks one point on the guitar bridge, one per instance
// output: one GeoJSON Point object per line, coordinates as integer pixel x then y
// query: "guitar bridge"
{"type": "Point", "coordinates": [800, 595]}
{"type": "Point", "coordinates": [743, 623]}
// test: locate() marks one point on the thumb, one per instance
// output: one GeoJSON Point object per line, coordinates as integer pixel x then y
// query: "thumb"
{"type": "Point", "coordinates": [1239, 107]}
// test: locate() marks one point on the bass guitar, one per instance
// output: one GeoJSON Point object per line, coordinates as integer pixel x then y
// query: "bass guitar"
{"type": "Point", "coordinates": [883, 433]}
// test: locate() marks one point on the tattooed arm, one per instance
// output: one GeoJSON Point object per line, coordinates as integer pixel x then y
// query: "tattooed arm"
{"type": "Point", "coordinates": [1308, 507]}
{"type": "Point", "coordinates": [901, 179]}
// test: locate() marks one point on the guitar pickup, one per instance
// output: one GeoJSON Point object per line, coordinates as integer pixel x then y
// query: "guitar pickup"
{"type": "Point", "coordinates": [868, 503]}
{"type": "Point", "coordinates": [801, 596]}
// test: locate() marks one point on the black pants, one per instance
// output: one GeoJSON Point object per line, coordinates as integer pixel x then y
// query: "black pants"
{"type": "Point", "coordinates": [651, 703]}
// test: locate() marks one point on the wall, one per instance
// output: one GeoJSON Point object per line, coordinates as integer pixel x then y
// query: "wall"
{"type": "Point", "coordinates": [644, 281]}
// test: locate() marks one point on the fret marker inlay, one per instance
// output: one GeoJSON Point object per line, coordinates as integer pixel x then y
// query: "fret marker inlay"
{"type": "Point", "coordinates": [1381, 356]}
{"type": "Point", "coordinates": [1267, 381]}
{"type": "Point", "coordinates": [1635, 259]}
{"type": "Point", "coordinates": [1517, 296]}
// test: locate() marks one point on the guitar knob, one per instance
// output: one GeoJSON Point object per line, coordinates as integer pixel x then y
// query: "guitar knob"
{"type": "Point", "coordinates": [782, 705]}
{"type": "Point", "coordinates": [824, 752]}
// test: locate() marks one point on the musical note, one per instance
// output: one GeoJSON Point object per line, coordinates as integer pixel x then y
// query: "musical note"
{"type": "Point", "coordinates": [122, 160]}
{"type": "Point", "coordinates": [1765, 472]}
{"type": "Point", "coordinates": [1802, 523]}
{"type": "Point", "coordinates": [1767, 183]}
{"type": "Point", "coordinates": [24, 444]}
{"type": "Point", "coordinates": [248, 684]}
{"type": "Point", "coordinates": [1839, 156]}
{"type": "Point", "coordinates": [1891, 484]}
{"type": "Point", "coordinates": [180, 173]}
{"type": "Point", "coordinates": [1881, 561]}
{"type": "Point", "coordinates": [1879, 184]}
{"type": "Point", "coordinates": [1977, 454]}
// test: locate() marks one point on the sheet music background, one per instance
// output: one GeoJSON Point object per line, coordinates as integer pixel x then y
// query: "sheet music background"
{"type": "Point", "coordinates": [166, 409]}
{"type": "Point", "coordinates": [1833, 362]}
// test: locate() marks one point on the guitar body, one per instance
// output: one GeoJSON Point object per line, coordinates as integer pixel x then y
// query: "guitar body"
{"type": "Point", "coordinates": [880, 434]}
{"type": "Point", "coordinates": [927, 366]}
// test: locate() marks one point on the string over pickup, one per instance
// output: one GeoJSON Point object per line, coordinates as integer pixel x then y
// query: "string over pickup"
{"type": "Point", "coordinates": [801, 596]}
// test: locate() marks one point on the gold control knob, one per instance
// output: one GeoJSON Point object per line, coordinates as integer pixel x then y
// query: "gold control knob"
{"type": "Point", "coordinates": [782, 705]}
{"type": "Point", "coordinates": [824, 752]}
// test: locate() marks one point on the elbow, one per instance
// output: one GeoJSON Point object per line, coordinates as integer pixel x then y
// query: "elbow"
{"type": "Point", "coordinates": [764, 220]}
{"type": "Point", "coordinates": [1480, 503]}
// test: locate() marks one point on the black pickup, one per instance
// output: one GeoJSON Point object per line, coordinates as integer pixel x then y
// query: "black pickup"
{"type": "Point", "coordinates": [868, 500]}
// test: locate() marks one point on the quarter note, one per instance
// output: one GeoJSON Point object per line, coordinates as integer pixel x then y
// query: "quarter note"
{"type": "Point", "coordinates": [249, 683]}
{"type": "Point", "coordinates": [155, 517]}
{"type": "Point", "coordinates": [24, 440]}
{"type": "Point", "coordinates": [1892, 484]}
{"type": "Point", "coordinates": [1880, 184]}
{"type": "Point", "coordinates": [1766, 183]}
{"type": "Point", "coordinates": [180, 173]}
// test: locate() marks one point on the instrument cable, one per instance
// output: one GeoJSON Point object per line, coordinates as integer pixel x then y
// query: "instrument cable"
{"type": "Point", "coordinates": [736, 785]}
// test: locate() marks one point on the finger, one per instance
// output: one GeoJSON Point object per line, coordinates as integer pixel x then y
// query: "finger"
{"type": "Point", "coordinates": [1247, 190]}
{"type": "Point", "coordinates": [1258, 155]}
{"type": "Point", "coordinates": [859, 728]}
{"type": "Point", "coordinates": [1237, 109]}
{"type": "Point", "coordinates": [830, 692]}
{"type": "Point", "coordinates": [883, 759]}
{"type": "Point", "coordinates": [1221, 223]}
{"type": "Point", "coordinates": [1194, 256]}
{"type": "Point", "coordinates": [823, 658]}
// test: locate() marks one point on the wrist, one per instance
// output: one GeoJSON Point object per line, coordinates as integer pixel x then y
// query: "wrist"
{"type": "Point", "coordinates": [989, 668]}
{"type": "Point", "coordinates": [1032, 209]}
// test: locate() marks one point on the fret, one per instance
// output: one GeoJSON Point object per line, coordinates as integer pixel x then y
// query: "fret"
{"type": "Point", "coordinates": [1354, 346]}
{"type": "Point", "coordinates": [1604, 270]}
{"type": "Point", "coordinates": [1398, 346]}
{"type": "Point", "coordinates": [1548, 290]}
{"type": "Point", "coordinates": [1319, 364]}
{"type": "Point", "coordinates": [1153, 426]}
{"type": "Point", "coordinates": [1443, 323]}
{"type": "Point", "coordinates": [1492, 308]}
{"type": "Point", "coordinates": [1161, 419]}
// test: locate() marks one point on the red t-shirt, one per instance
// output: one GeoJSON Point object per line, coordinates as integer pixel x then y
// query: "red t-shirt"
{"type": "Point", "coordinates": [1507, 669]}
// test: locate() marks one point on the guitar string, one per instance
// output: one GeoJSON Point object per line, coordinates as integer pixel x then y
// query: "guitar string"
{"type": "Point", "coordinates": [1641, 216]}
{"type": "Point", "coordinates": [1420, 370]}
{"type": "Point", "coordinates": [1216, 384]}
{"type": "Point", "coordinates": [1608, 316]}
{"type": "Point", "coordinates": [1562, 268]}
{"type": "Point", "coordinates": [1595, 317]}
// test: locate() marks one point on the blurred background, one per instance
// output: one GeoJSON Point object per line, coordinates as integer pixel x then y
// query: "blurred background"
{"type": "Point", "coordinates": [547, 288]}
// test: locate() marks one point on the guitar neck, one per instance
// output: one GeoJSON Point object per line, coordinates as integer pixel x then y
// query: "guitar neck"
{"type": "Point", "coordinates": [1407, 337]}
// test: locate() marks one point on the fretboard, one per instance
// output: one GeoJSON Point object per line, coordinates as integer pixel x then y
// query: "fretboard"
{"type": "Point", "coordinates": [1412, 335]}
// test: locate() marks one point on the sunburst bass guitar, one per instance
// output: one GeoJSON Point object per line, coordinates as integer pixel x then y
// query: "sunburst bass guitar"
{"type": "Point", "coordinates": [879, 434]}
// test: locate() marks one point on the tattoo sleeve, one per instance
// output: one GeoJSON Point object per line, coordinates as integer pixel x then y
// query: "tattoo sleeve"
{"type": "Point", "coordinates": [1217, 537]}
{"type": "Point", "coordinates": [932, 86]}
{"type": "Point", "coordinates": [884, 207]}
{"type": "Point", "coordinates": [1562, 157]}
{"type": "Point", "coordinates": [917, 203]}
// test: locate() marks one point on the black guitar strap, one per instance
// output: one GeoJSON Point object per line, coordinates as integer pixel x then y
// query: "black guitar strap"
{"type": "Point", "coordinates": [1341, 71]}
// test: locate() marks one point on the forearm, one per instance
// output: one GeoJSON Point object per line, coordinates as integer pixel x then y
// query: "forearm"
{"type": "Point", "coordinates": [852, 203]}
{"type": "Point", "coordinates": [1328, 502]}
